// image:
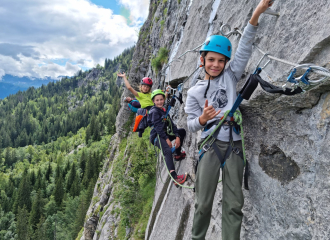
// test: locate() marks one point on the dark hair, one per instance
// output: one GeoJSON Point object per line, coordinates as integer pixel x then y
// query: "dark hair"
{"type": "Point", "coordinates": [203, 54]}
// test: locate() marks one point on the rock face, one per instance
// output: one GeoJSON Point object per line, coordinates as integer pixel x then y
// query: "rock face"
{"type": "Point", "coordinates": [287, 138]}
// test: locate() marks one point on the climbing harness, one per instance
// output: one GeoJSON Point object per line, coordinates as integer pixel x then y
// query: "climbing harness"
{"type": "Point", "coordinates": [209, 141]}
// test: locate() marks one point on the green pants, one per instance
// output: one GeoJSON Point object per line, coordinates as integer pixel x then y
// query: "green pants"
{"type": "Point", "coordinates": [207, 178]}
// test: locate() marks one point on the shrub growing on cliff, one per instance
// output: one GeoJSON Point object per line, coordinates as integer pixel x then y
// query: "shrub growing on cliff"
{"type": "Point", "coordinates": [158, 61]}
{"type": "Point", "coordinates": [165, 12]}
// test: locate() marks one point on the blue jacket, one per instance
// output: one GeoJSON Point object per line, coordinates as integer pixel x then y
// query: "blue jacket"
{"type": "Point", "coordinates": [155, 119]}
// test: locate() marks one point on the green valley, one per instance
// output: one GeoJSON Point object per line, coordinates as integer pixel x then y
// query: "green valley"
{"type": "Point", "coordinates": [53, 141]}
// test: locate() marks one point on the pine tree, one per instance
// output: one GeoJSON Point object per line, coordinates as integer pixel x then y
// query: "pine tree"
{"type": "Point", "coordinates": [71, 177]}
{"type": "Point", "coordinates": [36, 211]}
{"type": "Point", "coordinates": [8, 157]}
{"type": "Point", "coordinates": [82, 209]}
{"type": "Point", "coordinates": [22, 227]}
{"type": "Point", "coordinates": [32, 178]}
{"type": "Point", "coordinates": [82, 163]}
{"type": "Point", "coordinates": [58, 190]}
{"type": "Point", "coordinates": [88, 134]}
{"type": "Point", "coordinates": [48, 172]}
{"type": "Point", "coordinates": [40, 232]}
{"type": "Point", "coordinates": [39, 180]}
{"type": "Point", "coordinates": [75, 187]}
{"type": "Point", "coordinates": [66, 168]}
{"type": "Point", "coordinates": [92, 125]}
{"type": "Point", "coordinates": [23, 193]}
{"type": "Point", "coordinates": [96, 134]}
{"type": "Point", "coordinates": [89, 172]}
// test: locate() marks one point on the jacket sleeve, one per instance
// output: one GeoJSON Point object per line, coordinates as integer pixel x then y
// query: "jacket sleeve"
{"type": "Point", "coordinates": [158, 124]}
{"type": "Point", "coordinates": [194, 111]}
{"type": "Point", "coordinates": [243, 52]}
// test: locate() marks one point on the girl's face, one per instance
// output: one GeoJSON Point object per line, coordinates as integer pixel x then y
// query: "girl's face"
{"type": "Point", "coordinates": [214, 64]}
{"type": "Point", "coordinates": [145, 88]}
{"type": "Point", "coordinates": [159, 101]}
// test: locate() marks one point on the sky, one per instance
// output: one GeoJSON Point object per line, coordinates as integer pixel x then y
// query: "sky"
{"type": "Point", "coordinates": [42, 38]}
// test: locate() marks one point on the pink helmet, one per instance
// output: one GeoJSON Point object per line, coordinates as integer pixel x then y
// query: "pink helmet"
{"type": "Point", "coordinates": [146, 81]}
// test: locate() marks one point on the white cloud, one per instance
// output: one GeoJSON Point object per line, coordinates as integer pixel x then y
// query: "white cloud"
{"type": "Point", "coordinates": [2, 73]}
{"type": "Point", "coordinates": [35, 32]}
{"type": "Point", "coordinates": [139, 9]}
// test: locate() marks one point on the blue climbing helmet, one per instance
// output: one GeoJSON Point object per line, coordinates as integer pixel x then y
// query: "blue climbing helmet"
{"type": "Point", "coordinates": [218, 44]}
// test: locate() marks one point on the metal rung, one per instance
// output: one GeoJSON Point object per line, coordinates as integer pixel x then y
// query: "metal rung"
{"type": "Point", "coordinates": [272, 12]}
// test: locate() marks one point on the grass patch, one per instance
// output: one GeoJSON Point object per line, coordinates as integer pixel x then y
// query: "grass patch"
{"type": "Point", "coordinates": [134, 190]}
{"type": "Point", "coordinates": [165, 11]}
{"type": "Point", "coordinates": [80, 233]}
{"type": "Point", "coordinates": [162, 22]}
{"type": "Point", "coordinates": [158, 61]}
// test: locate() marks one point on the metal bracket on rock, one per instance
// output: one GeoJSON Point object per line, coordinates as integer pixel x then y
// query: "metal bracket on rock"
{"type": "Point", "coordinates": [258, 68]}
{"type": "Point", "coordinates": [229, 32]}
{"type": "Point", "coordinates": [272, 12]}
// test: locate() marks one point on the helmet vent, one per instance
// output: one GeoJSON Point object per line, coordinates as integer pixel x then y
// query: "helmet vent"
{"type": "Point", "coordinates": [207, 43]}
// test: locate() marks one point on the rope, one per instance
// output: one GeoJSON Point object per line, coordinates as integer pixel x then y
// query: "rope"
{"type": "Point", "coordinates": [158, 171]}
{"type": "Point", "coordinates": [167, 167]}
{"type": "Point", "coordinates": [239, 120]}
{"type": "Point", "coordinates": [220, 123]}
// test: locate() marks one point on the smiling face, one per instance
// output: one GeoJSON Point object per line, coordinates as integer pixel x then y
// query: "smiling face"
{"type": "Point", "coordinates": [214, 64]}
{"type": "Point", "coordinates": [159, 100]}
{"type": "Point", "coordinates": [145, 88]}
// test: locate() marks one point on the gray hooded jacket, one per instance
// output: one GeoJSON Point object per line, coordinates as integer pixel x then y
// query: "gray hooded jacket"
{"type": "Point", "coordinates": [222, 91]}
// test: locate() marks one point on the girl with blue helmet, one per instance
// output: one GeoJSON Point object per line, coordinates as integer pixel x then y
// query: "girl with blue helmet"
{"type": "Point", "coordinates": [206, 103]}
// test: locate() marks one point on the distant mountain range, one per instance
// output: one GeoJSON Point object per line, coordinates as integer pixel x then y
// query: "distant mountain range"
{"type": "Point", "coordinates": [10, 84]}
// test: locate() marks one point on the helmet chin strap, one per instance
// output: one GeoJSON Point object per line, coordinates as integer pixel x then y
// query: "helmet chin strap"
{"type": "Point", "coordinates": [208, 84]}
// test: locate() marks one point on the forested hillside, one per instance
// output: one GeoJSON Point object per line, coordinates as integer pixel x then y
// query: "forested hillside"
{"type": "Point", "coordinates": [53, 141]}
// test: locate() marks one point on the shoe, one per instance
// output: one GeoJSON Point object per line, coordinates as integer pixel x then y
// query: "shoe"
{"type": "Point", "coordinates": [179, 157]}
{"type": "Point", "coordinates": [180, 179]}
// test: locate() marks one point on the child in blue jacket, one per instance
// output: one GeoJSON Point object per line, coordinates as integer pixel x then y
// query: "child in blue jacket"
{"type": "Point", "coordinates": [167, 131]}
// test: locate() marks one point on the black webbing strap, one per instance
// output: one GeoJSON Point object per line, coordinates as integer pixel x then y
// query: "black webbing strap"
{"type": "Point", "coordinates": [230, 149]}
{"type": "Point", "coordinates": [275, 89]}
{"type": "Point", "coordinates": [218, 153]}
{"type": "Point", "coordinates": [246, 175]}
{"type": "Point", "coordinates": [252, 83]}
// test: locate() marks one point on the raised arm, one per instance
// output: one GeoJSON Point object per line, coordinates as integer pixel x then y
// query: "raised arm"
{"type": "Point", "coordinates": [262, 7]}
{"type": "Point", "coordinates": [129, 87]}
{"type": "Point", "coordinates": [244, 50]}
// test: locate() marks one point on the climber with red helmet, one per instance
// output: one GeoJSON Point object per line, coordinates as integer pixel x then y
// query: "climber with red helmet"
{"type": "Point", "coordinates": [142, 104]}
{"type": "Point", "coordinates": [206, 103]}
{"type": "Point", "coordinates": [144, 96]}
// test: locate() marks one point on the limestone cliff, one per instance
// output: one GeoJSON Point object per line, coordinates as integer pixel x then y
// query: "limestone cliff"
{"type": "Point", "coordinates": [287, 138]}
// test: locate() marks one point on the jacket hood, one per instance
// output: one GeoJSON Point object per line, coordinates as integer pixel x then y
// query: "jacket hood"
{"type": "Point", "coordinates": [203, 82]}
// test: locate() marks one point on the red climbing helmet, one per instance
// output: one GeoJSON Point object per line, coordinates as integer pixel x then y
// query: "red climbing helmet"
{"type": "Point", "coordinates": [146, 81]}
